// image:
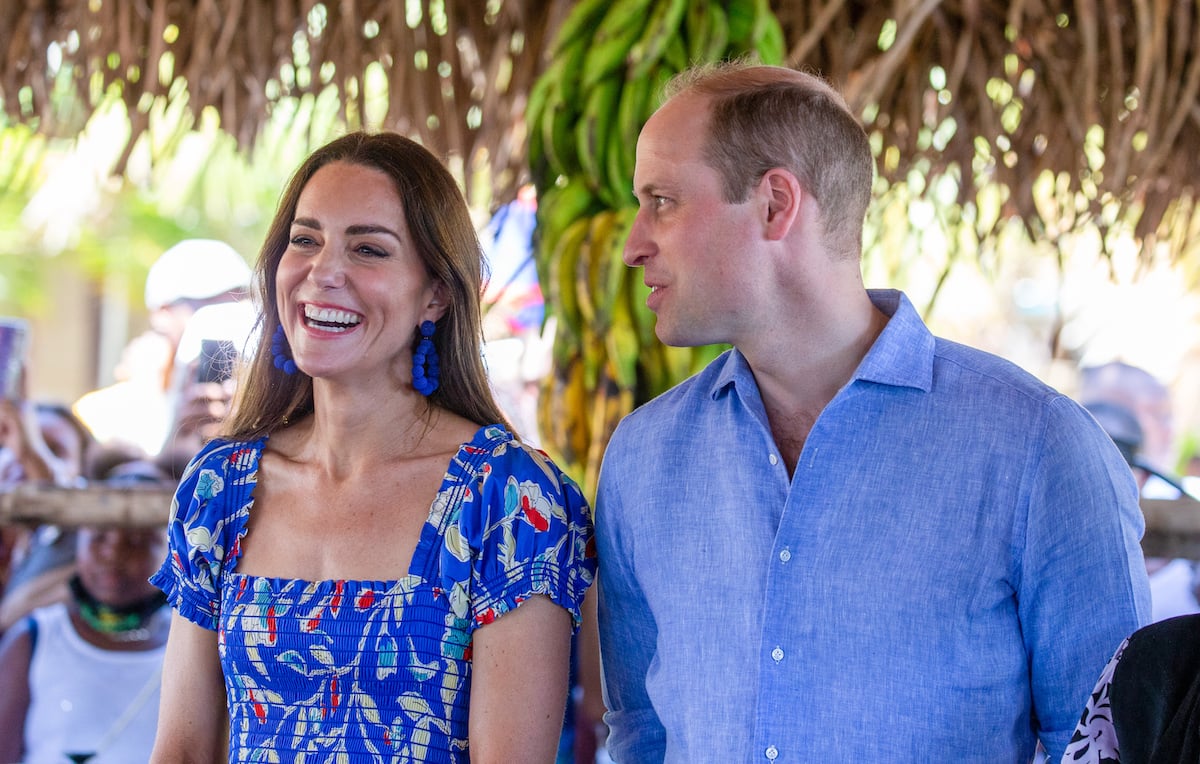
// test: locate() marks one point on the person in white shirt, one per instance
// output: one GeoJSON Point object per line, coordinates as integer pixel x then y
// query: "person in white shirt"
{"type": "Point", "coordinates": [81, 678]}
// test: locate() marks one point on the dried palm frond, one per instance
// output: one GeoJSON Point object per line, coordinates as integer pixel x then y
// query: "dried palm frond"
{"type": "Point", "coordinates": [1100, 92]}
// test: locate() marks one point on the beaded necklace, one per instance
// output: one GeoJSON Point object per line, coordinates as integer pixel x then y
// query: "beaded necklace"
{"type": "Point", "coordinates": [127, 623]}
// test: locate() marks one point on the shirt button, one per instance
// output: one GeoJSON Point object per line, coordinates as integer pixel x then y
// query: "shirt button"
{"type": "Point", "coordinates": [772, 753]}
{"type": "Point", "coordinates": [773, 459]}
{"type": "Point", "coordinates": [777, 654]}
{"type": "Point", "coordinates": [785, 555]}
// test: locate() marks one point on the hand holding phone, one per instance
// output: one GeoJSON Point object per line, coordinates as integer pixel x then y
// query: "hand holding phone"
{"type": "Point", "coordinates": [216, 362]}
{"type": "Point", "coordinates": [14, 341]}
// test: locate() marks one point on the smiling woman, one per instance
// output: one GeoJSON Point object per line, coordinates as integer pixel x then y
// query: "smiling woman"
{"type": "Point", "coordinates": [393, 573]}
{"type": "Point", "coordinates": [407, 213]}
{"type": "Point", "coordinates": [350, 285]}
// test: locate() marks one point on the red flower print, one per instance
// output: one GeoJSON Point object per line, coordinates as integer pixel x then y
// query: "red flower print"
{"type": "Point", "coordinates": [259, 710]}
{"type": "Point", "coordinates": [365, 599]}
{"type": "Point", "coordinates": [535, 518]}
{"type": "Point", "coordinates": [336, 603]}
{"type": "Point", "coordinates": [236, 456]}
{"type": "Point", "coordinates": [486, 617]}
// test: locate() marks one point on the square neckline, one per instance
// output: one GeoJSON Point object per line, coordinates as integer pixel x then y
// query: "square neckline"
{"type": "Point", "coordinates": [483, 440]}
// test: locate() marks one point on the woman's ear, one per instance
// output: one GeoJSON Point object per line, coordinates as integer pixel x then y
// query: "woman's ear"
{"type": "Point", "coordinates": [784, 196]}
{"type": "Point", "coordinates": [439, 302]}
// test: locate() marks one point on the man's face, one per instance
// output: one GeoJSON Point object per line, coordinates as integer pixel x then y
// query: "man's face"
{"type": "Point", "coordinates": [116, 563]}
{"type": "Point", "coordinates": [1153, 410]}
{"type": "Point", "coordinates": [695, 247]}
{"type": "Point", "coordinates": [170, 321]}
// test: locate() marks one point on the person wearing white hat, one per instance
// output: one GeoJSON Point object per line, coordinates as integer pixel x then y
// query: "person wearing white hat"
{"type": "Point", "coordinates": [190, 275]}
{"type": "Point", "coordinates": [196, 270]}
{"type": "Point", "coordinates": [197, 289]}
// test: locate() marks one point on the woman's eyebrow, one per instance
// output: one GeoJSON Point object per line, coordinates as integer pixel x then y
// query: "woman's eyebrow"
{"type": "Point", "coordinates": [353, 230]}
{"type": "Point", "coordinates": [362, 228]}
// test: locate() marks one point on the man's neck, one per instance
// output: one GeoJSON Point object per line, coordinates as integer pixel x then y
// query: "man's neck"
{"type": "Point", "coordinates": [797, 380]}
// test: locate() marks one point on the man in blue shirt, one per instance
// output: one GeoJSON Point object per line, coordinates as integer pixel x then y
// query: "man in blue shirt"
{"type": "Point", "coordinates": [846, 539]}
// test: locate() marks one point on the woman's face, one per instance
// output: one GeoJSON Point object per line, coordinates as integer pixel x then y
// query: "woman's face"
{"type": "Point", "coordinates": [351, 287]}
{"type": "Point", "coordinates": [115, 563]}
{"type": "Point", "coordinates": [62, 439]}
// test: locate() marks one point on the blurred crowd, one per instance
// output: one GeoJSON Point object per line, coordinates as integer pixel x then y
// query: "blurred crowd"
{"type": "Point", "coordinates": [83, 629]}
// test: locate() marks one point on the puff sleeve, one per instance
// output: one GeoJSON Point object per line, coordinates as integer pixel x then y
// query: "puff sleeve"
{"type": "Point", "coordinates": [518, 527]}
{"type": "Point", "coordinates": [208, 520]}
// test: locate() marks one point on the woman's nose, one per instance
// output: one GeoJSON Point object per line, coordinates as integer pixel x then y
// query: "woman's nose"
{"type": "Point", "coordinates": [327, 269]}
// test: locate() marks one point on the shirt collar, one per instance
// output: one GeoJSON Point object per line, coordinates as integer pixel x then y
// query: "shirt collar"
{"type": "Point", "coordinates": [902, 355]}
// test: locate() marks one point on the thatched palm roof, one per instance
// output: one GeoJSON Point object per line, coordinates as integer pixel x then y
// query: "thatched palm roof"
{"type": "Point", "coordinates": [1030, 85]}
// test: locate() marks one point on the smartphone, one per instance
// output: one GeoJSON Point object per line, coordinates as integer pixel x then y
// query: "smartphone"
{"type": "Point", "coordinates": [217, 358]}
{"type": "Point", "coordinates": [14, 341]}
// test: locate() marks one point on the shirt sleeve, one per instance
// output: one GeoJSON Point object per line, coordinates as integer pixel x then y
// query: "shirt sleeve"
{"type": "Point", "coordinates": [628, 634]}
{"type": "Point", "coordinates": [1083, 585]}
{"type": "Point", "coordinates": [208, 519]}
{"type": "Point", "coordinates": [531, 534]}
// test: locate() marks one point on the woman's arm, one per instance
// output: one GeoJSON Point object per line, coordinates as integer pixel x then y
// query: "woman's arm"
{"type": "Point", "coordinates": [16, 653]}
{"type": "Point", "coordinates": [519, 684]}
{"type": "Point", "coordinates": [193, 721]}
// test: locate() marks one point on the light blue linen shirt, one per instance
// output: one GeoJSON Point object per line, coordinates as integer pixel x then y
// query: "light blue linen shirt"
{"type": "Point", "coordinates": [942, 579]}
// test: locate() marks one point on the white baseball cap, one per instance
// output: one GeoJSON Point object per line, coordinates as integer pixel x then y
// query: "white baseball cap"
{"type": "Point", "coordinates": [195, 269]}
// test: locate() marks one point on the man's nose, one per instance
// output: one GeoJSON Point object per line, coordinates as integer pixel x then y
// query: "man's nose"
{"type": "Point", "coordinates": [637, 245]}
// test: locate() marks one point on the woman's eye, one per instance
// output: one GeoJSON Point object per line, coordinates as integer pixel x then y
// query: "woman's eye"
{"type": "Point", "coordinates": [300, 240]}
{"type": "Point", "coordinates": [372, 251]}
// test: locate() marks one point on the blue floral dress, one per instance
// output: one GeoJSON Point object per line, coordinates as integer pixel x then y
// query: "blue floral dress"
{"type": "Point", "coordinates": [373, 671]}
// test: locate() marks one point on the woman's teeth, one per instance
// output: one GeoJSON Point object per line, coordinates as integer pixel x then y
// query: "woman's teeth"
{"type": "Point", "coordinates": [330, 319]}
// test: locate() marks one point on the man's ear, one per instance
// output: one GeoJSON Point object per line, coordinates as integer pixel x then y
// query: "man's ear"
{"type": "Point", "coordinates": [784, 196]}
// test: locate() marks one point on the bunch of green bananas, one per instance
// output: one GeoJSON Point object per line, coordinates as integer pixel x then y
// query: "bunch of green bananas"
{"type": "Point", "coordinates": [609, 62]}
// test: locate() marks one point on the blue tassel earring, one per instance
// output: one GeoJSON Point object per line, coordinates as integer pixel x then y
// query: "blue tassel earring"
{"type": "Point", "coordinates": [279, 351]}
{"type": "Point", "coordinates": [425, 366]}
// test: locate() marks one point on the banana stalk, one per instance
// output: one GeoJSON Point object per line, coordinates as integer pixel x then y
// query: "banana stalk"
{"type": "Point", "coordinates": [610, 61]}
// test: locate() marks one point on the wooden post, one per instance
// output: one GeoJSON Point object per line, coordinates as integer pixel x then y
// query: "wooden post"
{"type": "Point", "coordinates": [1172, 525]}
{"type": "Point", "coordinates": [129, 506]}
{"type": "Point", "coordinates": [1172, 528]}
